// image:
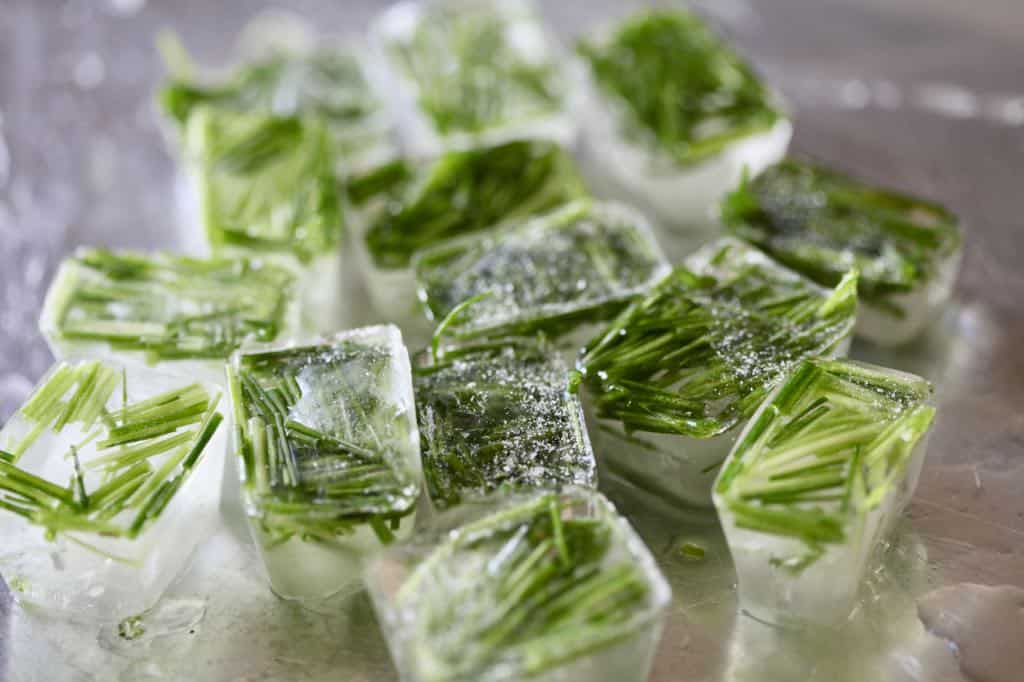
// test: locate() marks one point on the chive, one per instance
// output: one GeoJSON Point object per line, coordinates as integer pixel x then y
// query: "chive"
{"type": "Point", "coordinates": [504, 595]}
{"type": "Point", "coordinates": [691, 550]}
{"type": "Point", "coordinates": [268, 182]}
{"type": "Point", "coordinates": [113, 488]}
{"type": "Point", "coordinates": [679, 87]}
{"type": "Point", "coordinates": [579, 264]}
{"type": "Point", "coordinates": [818, 221]}
{"type": "Point", "coordinates": [147, 301]}
{"type": "Point", "coordinates": [495, 417]}
{"type": "Point", "coordinates": [470, 75]}
{"type": "Point", "coordinates": [130, 456]}
{"type": "Point", "coordinates": [325, 84]}
{"type": "Point", "coordinates": [697, 354]}
{"type": "Point", "coordinates": [833, 442]}
{"type": "Point", "coordinates": [340, 459]}
{"type": "Point", "coordinates": [465, 192]}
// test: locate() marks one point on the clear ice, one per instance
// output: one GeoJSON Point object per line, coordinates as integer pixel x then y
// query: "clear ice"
{"type": "Point", "coordinates": [109, 479]}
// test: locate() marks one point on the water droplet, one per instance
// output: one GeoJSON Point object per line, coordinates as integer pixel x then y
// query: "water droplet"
{"type": "Point", "coordinates": [89, 72]}
{"type": "Point", "coordinates": [169, 617]}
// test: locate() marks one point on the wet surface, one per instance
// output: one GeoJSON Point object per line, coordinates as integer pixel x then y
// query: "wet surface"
{"type": "Point", "coordinates": [925, 95]}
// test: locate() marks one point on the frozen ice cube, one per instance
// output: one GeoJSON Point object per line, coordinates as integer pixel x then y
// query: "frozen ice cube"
{"type": "Point", "coordinates": [541, 586]}
{"type": "Point", "coordinates": [329, 455]}
{"type": "Point", "coordinates": [561, 274]}
{"type": "Point", "coordinates": [185, 315]}
{"type": "Point", "coordinates": [673, 116]}
{"type": "Point", "coordinates": [402, 207]}
{"type": "Point", "coordinates": [816, 481]}
{"type": "Point", "coordinates": [678, 372]}
{"type": "Point", "coordinates": [499, 417]}
{"type": "Point", "coordinates": [821, 223]}
{"type": "Point", "coordinates": [266, 188]}
{"type": "Point", "coordinates": [109, 478]}
{"type": "Point", "coordinates": [461, 73]}
{"type": "Point", "coordinates": [313, 78]}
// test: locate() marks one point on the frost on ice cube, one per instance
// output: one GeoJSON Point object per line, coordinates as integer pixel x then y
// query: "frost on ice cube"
{"type": "Point", "coordinates": [670, 381]}
{"type": "Point", "coordinates": [267, 189]}
{"type": "Point", "coordinates": [821, 223]}
{"type": "Point", "coordinates": [541, 586]}
{"type": "Point", "coordinates": [816, 481]}
{"type": "Point", "coordinates": [558, 274]}
{"type": "Point", "coordinates": [109, 479]}
{"type": "Point", "coordinates": [499, 417]}
{"type": "Point", "coordinates": [674, 116]}
{"type": "Point", "coordinates": [461, 73]}
{"type": "Point", "coordinates": [329, 452]}
{"type": "Point", "coordinates": [186, 315]}
{"type": "Point", "coordinates": [403, 207]}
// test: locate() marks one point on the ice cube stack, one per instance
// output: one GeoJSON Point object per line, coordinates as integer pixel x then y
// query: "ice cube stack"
{"type": "Point", "coordinates": [431, 182]}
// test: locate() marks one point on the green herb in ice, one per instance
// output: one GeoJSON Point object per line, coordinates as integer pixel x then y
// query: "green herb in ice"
{"type": "Point", "coordinates": [834, 442]}
{"type": "Point", "coordinates": [820, 223]}
{"type": "Point", "coordinates": [132, 459]}
{"type": "Point", "coordinates": [524, 590]}
{"type": "Point", "coordinates": [321, 446]}
{"type": "Point", "coordinates": [579, 264]}
{"type": "Point", "coordinates": [499, 415]}
{"type": "Point", "coordinates": [168, 307]}
{"type": "Point", "coordinates": [472, 70]}
{"type": "Point", "coordinates": [325, 85]}
{"type": "Point", "coordinates": [266, 183]}
{"type": "Point", "coordinates": [698, 354]}
{"type": "Point", "coordinates": [462, 192]}
{"type": "Point", "coordinates": [680, 89]}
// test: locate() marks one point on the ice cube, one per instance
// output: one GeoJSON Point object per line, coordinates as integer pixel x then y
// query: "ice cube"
{"type": "Point", "coordinates": [541, 586]}
{"type": "Point", "coordinates": [182, 314]}
{"type": "Point", "coordinates": [405, 206]}
{"type": "Point", "coordinates": [673, 116]}
{"type": "Point", "coordinates": [326, 434]}
{"type": "Point", "coordinates": [673, 378]}
{"type": "Point", "coordinates": [499, 417]}
{"type": "Point", "coordinates": [816, 481]}
{"type": "Point", "coordinates": [109, 479]}
{"type": "Point", "coordinates": [561, 274]}
{"type": "Point", "coordinates": [311, 78]}
{"type": "Point", "coordinates": [267, 189]}
{"type": "Point", "coordinates": [461, 73]}
{"type": "Point", "coordinates": [821, 223]}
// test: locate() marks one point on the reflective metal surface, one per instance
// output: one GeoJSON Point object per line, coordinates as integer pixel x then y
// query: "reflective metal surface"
{"type": "Point", "coordinates": [926, 95]}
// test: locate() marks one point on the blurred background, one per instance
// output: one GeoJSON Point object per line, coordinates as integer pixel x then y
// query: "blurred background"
{"type": "Point", "coordinates": [923, 95]}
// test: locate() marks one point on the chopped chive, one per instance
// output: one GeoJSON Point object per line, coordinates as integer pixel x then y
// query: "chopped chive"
{"type": "Point", "coordinates": [820, 223]}
{"type": "Point", "coordinates": [145, 304]}
{"type": "Point", "coordinates": [696, 355]}
{"type": "Point", "coordinates": [528, 588]}
{"type": "Point", "coordinates": [465, 192]}
{"type": "Point", "coordinates": [494, 417]}
{"type": "Point", "coordinates": [321, 440]}
{"type": "Point", "coordinates": [833, 442]}
{"type": "Point", "coordinates": [678, 86]}
{"type": "Point", "coordinates": [471, 71]}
